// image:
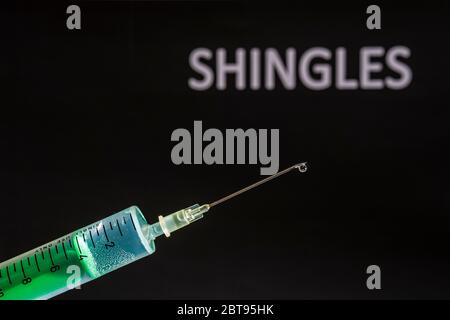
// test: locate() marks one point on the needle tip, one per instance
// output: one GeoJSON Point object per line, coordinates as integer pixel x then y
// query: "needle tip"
{"type": "Point", "coordinates": [301, 166]}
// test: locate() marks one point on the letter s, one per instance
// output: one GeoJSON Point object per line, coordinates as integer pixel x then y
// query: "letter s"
{"type": "Point", "coordinates": [197, 65]}
{"type": "Point", "coordinates": [402, 69]}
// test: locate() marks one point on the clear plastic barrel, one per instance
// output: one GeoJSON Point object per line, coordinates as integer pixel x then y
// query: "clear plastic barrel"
{"type": "Point", "coordinates": [79, 257]}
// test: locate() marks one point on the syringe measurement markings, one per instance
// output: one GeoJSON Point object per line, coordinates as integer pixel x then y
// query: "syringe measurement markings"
{"type": "Point", "coordinates": [64, 249]}
{"type": "Point", "coordinates": [79, 249]}
{"type": "Point", "coordinates": [84, 237]}
{"type": "Point", "coordinates": [118, 226]}
{"type": "Point", "coordinates": [42, 253]}
{"type": "Point", "coordinates": [37, 264]}
{"type": "Point", "coordinates": [92, 240]}
{"type": "Point", "coordinates": [14, 265]}
{"type": "Point", "coordinates": [124, 220]}
{"type": "Point", "coordinates": [106, 234]}
{"type": "Point", "coordinates": [131, 217]}
{"type": "Point", "coordinates": [98, 233]}
{"type": "Point", "coordinates": [23, 271]}
{"type": "Point", "coordinates": [50, 254]}
{"type": "Point", "coordinates": [9, 277]}
{"type": "Point", "coordinates": [110, 225]}
{"type": "Point", "coordinates": [29, 262]}
{"type": "Point", "coordinates": [56, 248]}
{"type": "Point", "coordinates": [70, 243]}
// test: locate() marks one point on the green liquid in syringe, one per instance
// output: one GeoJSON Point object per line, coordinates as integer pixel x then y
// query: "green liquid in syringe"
{"type": "Point", "coordinates": [97, 249]}
{"type": "Point", "coordinates": [79, 257]}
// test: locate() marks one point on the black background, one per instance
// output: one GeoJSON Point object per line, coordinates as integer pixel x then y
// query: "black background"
{"type": "Point", "coordinates": [87, 133]}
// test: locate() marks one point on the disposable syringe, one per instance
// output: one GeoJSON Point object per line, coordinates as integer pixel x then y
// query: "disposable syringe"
{"type": "Point", "coordinates": [97, 249]}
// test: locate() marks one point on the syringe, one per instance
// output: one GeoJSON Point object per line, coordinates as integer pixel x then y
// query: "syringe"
{"type": "Point", "coordinates": [97, 249]}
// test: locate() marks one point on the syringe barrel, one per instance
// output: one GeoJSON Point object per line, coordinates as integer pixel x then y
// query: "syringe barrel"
{"type": "Point", "coordinates": [78, 257]}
